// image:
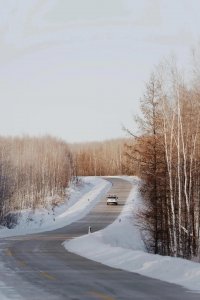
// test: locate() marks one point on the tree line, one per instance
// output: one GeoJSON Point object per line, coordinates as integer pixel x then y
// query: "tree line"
{"type": "Point", "coordinates": [34, 172]}
{"type": "Point", "coordinates": [167, 154]}
{"type": "Point", "coordinates": [100, 158]}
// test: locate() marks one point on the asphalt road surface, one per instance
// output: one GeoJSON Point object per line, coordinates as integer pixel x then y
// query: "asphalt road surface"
{"type": "Point", "coordinates": [38, 267]}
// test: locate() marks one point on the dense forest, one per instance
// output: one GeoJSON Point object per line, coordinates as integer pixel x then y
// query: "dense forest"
{"type": "Point", "coordinates": [100, 158]}
{"type": "Point", "coordinates": [167, 153]}
{"type": "Point", "coordinates": [34, 172]}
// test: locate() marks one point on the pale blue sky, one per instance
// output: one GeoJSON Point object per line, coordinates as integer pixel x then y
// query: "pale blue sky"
{"type": "Point", "coordinates": [76, 68]}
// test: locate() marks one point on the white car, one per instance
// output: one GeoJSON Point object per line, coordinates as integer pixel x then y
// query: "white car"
{"type": "Point", "coordinates": [112, 199]}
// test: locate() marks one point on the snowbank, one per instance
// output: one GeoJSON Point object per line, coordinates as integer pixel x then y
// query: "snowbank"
{"type": "Point", "coordinates": [81, 201]}
{"type": "Point", "coordinates": [120, 245]}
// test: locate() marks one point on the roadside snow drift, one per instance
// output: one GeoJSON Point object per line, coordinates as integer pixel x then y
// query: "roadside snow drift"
{"type": "Point", "coordinates": [82, 199]}
{"type": "Point", "coordinates": [120, 245]}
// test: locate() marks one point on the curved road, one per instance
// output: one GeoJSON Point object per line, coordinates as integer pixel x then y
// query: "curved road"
{"type": "Point", "coordinates": [38, 267]}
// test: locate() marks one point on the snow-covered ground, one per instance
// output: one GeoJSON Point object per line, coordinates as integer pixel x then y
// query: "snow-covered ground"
{"type": "Point", "coordinates": [81, 200]}
{"type": "Point", "coordinates": [120, 245]}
